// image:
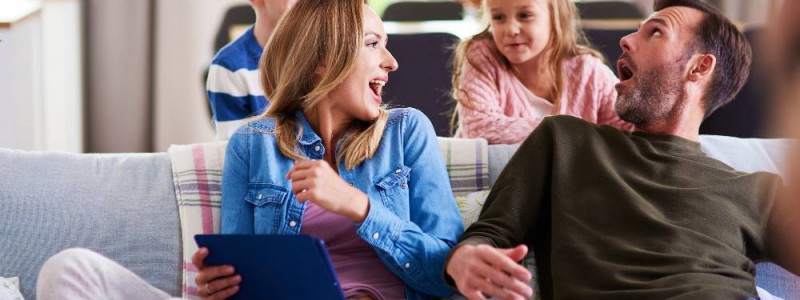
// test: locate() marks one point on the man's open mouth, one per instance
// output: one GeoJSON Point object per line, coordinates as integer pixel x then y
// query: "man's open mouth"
{"type": "Point", "coordinates": [624, 71]}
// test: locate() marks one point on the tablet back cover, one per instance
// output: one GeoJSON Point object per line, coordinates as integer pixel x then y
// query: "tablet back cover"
{"type": "Point", "coordinates": [275, 266]}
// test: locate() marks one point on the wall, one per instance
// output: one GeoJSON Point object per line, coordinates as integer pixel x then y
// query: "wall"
{"type": "Point", "coordinates": [118, 80]}
{"type": "Point", "coordinates": [184, 46]}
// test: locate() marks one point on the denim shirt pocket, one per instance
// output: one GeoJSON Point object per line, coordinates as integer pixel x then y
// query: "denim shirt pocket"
{"type": "Point", "coordinates": [394, 186]}
{"type": "Point", "coordinates": [268, 201]}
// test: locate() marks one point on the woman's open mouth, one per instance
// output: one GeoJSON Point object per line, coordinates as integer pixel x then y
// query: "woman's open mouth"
{"type": "Point", "coordinates": [376, 85]}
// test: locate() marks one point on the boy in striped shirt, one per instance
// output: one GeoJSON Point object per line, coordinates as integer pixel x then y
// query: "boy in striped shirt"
{"type": "Point", "coordinates": [232, 84]}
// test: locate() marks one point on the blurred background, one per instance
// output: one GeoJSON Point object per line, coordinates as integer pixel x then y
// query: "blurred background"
{"type": "Point", "coordinates": [128, 76]}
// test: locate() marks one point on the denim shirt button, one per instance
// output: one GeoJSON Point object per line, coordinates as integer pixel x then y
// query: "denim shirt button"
{"type": "Point", "coordinates": [260, 196]}
{"type": "Point", "coordinates": [398, 171]}
{"type": "Point", "coordinates": [317, 148]}
{"type": "Point", "coordinates": [375, 236]}
{"type": "Point", "coordinates": [407, 265]}
{"type": "Point", "coordinates": [292, 224]}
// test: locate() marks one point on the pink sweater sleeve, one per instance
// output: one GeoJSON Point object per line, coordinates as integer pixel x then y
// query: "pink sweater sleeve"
{"type": "Point", "coordinates": [482, 98]}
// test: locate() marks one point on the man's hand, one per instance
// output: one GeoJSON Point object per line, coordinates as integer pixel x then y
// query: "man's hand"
{"type": "Point", "coordinates": [482, 269]}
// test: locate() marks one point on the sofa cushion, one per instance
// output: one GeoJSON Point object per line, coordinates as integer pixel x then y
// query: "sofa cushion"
{"type": "Point", "coordinates": [120, 205]}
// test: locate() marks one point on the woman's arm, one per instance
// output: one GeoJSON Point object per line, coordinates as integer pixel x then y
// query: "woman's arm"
{"type": "Point", "coordinates": [419, 246]}
{"type": "Point", "coordinates": [236, 214]}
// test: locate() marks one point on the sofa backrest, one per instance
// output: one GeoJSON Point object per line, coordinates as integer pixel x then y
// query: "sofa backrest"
{"type": "Point", "coordinates": [120, 205]}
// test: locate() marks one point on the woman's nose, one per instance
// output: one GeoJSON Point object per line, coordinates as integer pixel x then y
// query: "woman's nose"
{"type": "Point", "coordinates": [389, 63]}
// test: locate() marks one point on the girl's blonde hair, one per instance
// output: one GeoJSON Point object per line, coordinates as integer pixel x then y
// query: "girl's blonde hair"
{"type": "Point", "coordinates": [313, 34]}
{"type": "Point", "coordinates": [566, 41]}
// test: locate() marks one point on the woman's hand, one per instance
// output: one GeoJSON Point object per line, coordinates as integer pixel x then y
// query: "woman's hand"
{"type": "Point", "coordinates": [214, 282]}
{"type": "Point", "coordinates": [316, 181]}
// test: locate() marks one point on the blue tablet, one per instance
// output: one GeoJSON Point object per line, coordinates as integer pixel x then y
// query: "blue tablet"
{"type": "Point", "coordinates": [275, 266]}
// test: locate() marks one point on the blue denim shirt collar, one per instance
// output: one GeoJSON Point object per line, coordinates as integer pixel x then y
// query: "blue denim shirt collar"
{"type": "Point", "coordinates": [309, 137]}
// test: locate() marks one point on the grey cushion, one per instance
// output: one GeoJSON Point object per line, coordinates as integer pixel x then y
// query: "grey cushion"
{"type": "Point", "coordinates": [121, 205]}
{"type": "Point", "coordinates": [498, 157]}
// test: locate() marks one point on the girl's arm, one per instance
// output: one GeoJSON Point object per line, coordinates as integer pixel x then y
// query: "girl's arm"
{"type": "Point", "coordinates": [480, 108]}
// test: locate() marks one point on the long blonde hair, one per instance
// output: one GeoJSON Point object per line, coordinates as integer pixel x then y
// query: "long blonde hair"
{"type": "Point", "coordinates": [312, 34]}
{"type": "Point", "coordinates": [566, 41]}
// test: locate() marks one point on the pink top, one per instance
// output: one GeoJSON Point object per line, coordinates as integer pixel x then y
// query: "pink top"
{"type": "Point", "coordinates": [360, 271]}
{"type": "Point", "coordinates": [495, 105]}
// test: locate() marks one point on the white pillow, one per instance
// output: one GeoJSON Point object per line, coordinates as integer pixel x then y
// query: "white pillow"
{"type": "Point", "coordinates": [9, 289]}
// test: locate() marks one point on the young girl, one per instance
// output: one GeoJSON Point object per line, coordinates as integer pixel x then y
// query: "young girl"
{"type": "Point", "coordinates": [527, 65]}
{"type": "Point", "coordinates": [325, 159]}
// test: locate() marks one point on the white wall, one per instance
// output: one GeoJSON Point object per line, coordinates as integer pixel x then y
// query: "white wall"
{"type": "Point", "coordinates": [20, 84]}
{"type": "Point", "coordinates": [41, 97]}
{"type": "Point", "coordinates": [184, 46]}
{"type": "Point", "coordinates": [63, 76]}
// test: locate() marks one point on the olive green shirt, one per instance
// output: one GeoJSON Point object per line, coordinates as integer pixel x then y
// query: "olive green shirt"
{"type": "Point", "coordinates": [618, 215]}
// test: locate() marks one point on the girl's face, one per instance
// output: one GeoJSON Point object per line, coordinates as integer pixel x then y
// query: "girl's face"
{"type": "Point", "coordinates": [359, 95]}
{"type": "Point", "coordinates": [520, 28]}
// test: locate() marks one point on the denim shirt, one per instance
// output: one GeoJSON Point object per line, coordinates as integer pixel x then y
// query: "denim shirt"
{"type": "Point", "coordinates": [412, 223]}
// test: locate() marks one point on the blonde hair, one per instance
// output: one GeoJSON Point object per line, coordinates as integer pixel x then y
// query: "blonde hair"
{"type": "Point", "coordinates": [316, 33]}
{"type": "Point", "coordinates": [566, 41]}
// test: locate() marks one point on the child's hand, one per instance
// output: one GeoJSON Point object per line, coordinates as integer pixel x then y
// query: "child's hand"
{"type": "Point", "coordinates": [316, 181]}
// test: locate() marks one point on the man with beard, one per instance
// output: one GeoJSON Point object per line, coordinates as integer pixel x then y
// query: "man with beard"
{"type": "Point", "coordinates": [642, 215]}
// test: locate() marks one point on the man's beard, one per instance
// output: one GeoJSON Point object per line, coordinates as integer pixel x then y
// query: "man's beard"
{"type": "Point", "coordinates": [654, 97]}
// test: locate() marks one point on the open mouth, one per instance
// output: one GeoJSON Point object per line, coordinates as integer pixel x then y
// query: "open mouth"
{"type": "Point", "coordinates": [377, 86]}
{"type": "Point", "coordinates": [624, 71]}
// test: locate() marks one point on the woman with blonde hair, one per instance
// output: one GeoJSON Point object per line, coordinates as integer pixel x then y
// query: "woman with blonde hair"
{"type": "Point", "coordinates": [326, 159]}
{"type": "Point", "coordinates": [525, 65]}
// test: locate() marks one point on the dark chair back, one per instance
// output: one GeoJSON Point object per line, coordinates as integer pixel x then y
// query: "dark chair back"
{"type": "Point", "coordinates": [746, 115]}
{"type": "Point", "coordinates": [607, 42]}
{"type": "Point", "coordinates": [236, 15]}
{"type": "Point", "coordinates": [423, 79]}
{"type": "Point", "coordinates": [608, 10]}
{"type": "Point", "coordinates": [423, 11]}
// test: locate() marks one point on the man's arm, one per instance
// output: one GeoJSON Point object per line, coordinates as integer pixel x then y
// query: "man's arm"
{"type": "Point", "coordinates": [507, 220]}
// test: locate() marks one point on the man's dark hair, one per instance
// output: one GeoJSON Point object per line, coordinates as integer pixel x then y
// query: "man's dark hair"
{"type": "Point", "coordinates": [718, 36]}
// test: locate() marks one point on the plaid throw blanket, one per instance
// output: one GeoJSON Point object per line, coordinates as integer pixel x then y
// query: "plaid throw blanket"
{"type": "Point", "coordinates": [197, 176]}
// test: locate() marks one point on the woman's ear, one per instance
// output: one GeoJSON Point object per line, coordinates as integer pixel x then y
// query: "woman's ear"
{"type": "Point", "coordinates": [702, 67]}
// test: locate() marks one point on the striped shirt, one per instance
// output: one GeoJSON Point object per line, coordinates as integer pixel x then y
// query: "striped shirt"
{"type": "Point", "coordinates": [233, 87]}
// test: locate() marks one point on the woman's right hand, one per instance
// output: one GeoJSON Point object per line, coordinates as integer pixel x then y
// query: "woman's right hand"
{"type": "Point", "coordinates": [214, 282]}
